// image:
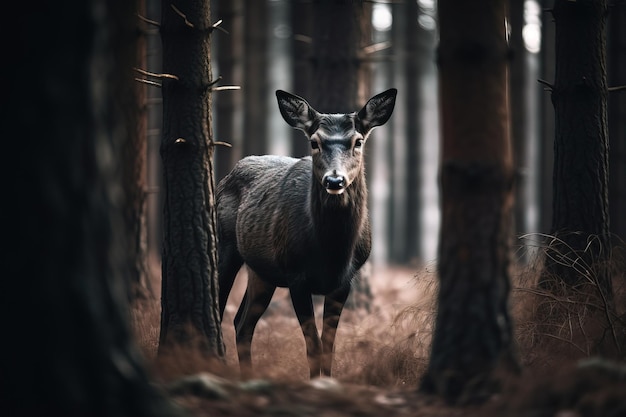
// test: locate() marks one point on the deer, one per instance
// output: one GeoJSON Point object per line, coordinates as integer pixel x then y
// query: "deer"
{"type": "Point", "coordinates": [299, 223]}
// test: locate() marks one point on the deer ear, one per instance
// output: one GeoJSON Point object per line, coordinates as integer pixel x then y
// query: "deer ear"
{"type": "Point", "coordinates": [378, 109]}
{"type": "Point", "coordinates": [296, 111]}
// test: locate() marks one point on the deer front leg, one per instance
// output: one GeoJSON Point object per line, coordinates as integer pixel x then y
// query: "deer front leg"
{"type": "Point", "coordinates": [303, 306]}
{"type": "Point", "coordinates": [333, 306]}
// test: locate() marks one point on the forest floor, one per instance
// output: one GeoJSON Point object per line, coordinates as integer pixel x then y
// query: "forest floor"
{"type": "Point", "coordinates": [380, 357]}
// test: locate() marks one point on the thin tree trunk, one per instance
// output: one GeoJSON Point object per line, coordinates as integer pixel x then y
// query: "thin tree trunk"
{"type": "Point", "coordinates": [580, 216]}
{"type": "Point", "coordinates": [228, 104]}
{"type": "Point", "coordinates": [71, 350]}
{"type": "Point", "coordinates": [616, 56]}
{"type": "Point", "coordinates": [473, 332]}
{"type": "Point", "coordinates": [134, 170]}
{"type": "Point", "coordinates": [189, 290]}
{"type": "Point", "coordinates": [255, 78]}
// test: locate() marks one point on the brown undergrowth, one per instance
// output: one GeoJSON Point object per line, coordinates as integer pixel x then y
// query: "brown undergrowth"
{"type": "Point", "coordinates": [381, 354]}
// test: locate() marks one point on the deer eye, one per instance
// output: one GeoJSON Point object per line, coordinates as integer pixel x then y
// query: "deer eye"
{"type": "Point", "coordinates": [314, 144]}
{"type": "Point", "coordinates": [358, 143]}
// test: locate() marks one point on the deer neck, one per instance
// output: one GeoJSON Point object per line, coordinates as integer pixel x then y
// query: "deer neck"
{"type": "Point", "coordinates": [338, 219]}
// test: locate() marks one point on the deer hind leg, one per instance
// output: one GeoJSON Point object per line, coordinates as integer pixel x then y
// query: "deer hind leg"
{"type": "Point", "coordinates": [303, 306]}
{"type": "Point", "coordinates": [333, 306]}
{"type": "Point", "coordinates": [255, 301]}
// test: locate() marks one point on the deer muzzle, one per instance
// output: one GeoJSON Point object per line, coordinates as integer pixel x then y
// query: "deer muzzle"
{"type": "Point", "coordinates": [334, 182]}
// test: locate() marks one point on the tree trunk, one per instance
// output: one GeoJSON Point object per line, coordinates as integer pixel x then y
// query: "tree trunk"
{"type": "Point", "coordinates": [228, 104]}
{"type": "Point", "coordinates": [473, 334]}
{"type": "Point", "coordinates": [189, 301]}
{"type": "Point", "coordinates": [580, 215]}
{"type": "Point", "coordinates": [616, 57]}
{"type": "Point", "coordinates": [134, 172]}
{"type": "Point", "coordinates": [70, 351]}
{"type": "Point", "coordinates": [255, 78]}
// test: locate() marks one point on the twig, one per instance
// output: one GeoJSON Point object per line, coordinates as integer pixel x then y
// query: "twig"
{"type": "Point", "coordinates": [148, 21]}
{"type": "Point", "coordinates": [549, 86]}
{"type": "Point", "coordinates": [618, 88]}
{"type": "Point", "coordinates": [155, 75]}
{"type": "Point", "coordinates": [217, 26]}
{"type": "Point", "coordinates": [302, 38]}
{"type": "Point", "coordinates": [219, 143]}
{"type": "Point", "coordinates": [152, 83]}
{"type": "Point", "coordinates": [226, 87]}
{"type": "Point", "coordinates": [370, 49]}
{"type": "Point", "coordinates": [181, 14]}
{"type": "Point", "coordinates": [215, 81]}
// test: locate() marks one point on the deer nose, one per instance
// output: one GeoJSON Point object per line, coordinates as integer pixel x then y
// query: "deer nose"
{"type": "Point", "coordinates": [334, 182]}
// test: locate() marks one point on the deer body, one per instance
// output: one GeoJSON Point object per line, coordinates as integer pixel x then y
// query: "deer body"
{"type": "Point", "coordinates": [299, 223]}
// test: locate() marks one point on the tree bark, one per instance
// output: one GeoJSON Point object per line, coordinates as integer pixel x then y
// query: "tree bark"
{"type": "Point", "coordinates": [134, 171]}
{"type": "Point", "coordinates": [189, 301]}
{"type": "Point", "coordinates": [580, 219]}
{"type": "Point", "coordinates": [473, 332]}
{"type": "Point", "coordinates": [70, 351]}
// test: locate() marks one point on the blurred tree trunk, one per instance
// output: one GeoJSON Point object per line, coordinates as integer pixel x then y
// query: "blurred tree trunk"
{"type": "Point", "coordinates": [580, 215]}
{"type": "Point", "coordinates": [302, 24]}
{"type": "Point", "coordinates": [71, 351]}
{"type": "Point", "coordinates": [189, 300]}
{"type": "Point", "coordinates": [547, 122]}
{"type": "Point", "coordinates": [134, 173]}
{"type": "Point", "coordinates": [336, 39]}
{"type": "Point", "coordinates": [473, 332]}
{"type": "Point", "coordinates": [340, 83]}
{"type": "Point", "coordinates": [228, 104]}
{"type": "Point", "coordinates": [517, 88]}
{"type": "Point", "coordinates": [255, 78]}
{"type": "Point", "coordinates": [616, 58]}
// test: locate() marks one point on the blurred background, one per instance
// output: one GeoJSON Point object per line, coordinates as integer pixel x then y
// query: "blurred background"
{"type": "Point", "coordinates": [337, 55]}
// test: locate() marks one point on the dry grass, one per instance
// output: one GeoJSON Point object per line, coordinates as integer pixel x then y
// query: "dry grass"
{"type": "Point", "coordinates": [383, 353]}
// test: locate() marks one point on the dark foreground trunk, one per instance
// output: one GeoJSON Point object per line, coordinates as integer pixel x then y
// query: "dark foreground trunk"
{"type": "Point", "coordinates": [67, 348]}
{"type": "Point", "coordinates": [473, 333]}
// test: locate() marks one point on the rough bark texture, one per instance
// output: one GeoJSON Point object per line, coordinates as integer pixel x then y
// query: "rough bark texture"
{"type": "Point", "coordinates": [70, 351]}
{"type": "Point", "coordinates": [616, 56]}
{"type": "Point", "coordinates": [473, 336]}
{"type": "Point", "coordinates": [580, 218]}
{"type": "Point", "coordinates": [189, 265]}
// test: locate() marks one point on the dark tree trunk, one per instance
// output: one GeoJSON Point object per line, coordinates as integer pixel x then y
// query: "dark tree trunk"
{"type": "Point", "coordinates": [339, 80]}
{"type": "Point", "coordinates": [255, 78]}
{"type": "Point", "coordinates": [473, 334]}
{"type": "Point", "coordinates": [517, 83]}
{"type": "Point", "coordinates": [70, 351]}
{"type": "Point", "coordinates": [336, 37]}
{"type": "Point", "coordinates": [189, 301]}
{"type": "Point", "coordinates": [134, 173]}
{"type": "Point", "coordinates": [302, 24]}
{"type": "Point", "coordinates": [228, 104]}
{"type": "Point", "coordinates": [616, 57]}
{"type": "Point", "coordinates": [580, 215]}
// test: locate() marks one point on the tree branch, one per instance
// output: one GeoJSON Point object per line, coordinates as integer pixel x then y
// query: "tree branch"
{"type": "Point", "coordinates": [549, 87]}
{"type": "Point", "coordinates": [226, 87]}
{"type": "Point", "coordinates": [181, 14]}
{"type": "Point", "coordinates": [217, 26]}
{"type": "Point", "coordinates": [617, 88]}
{"type": "Point", "coordinates": [148, 21]}
{"type": "Point", "coordinates": [155, 75]}
{"type": "Point", "coordinates": [152, 83]}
